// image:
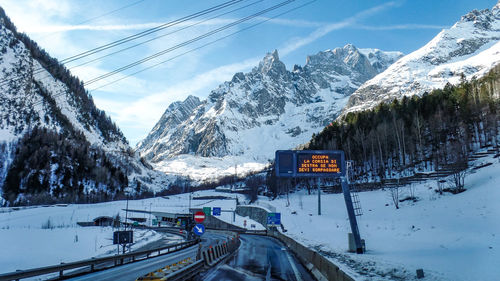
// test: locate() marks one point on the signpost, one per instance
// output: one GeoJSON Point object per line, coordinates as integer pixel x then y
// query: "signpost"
{"type": "Point", "coordinates": [199, 229]}
{"type": "Point", "coordinates": [318, 163]}
{"type": "Point", "coordinates": [216, 211]}
{"type": "Point", "coordinates": [199, 217]}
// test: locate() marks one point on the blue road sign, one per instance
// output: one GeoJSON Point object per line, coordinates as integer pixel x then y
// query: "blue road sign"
{"type": "Point", "coordinates": [216, 211]}
{"type": "Point", "coordinates": [273, 218]}
{"type": "Point", "coordinates": [199, 229]}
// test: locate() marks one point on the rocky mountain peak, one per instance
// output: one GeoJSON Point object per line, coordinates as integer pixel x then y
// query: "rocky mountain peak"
{"type": "Point", "coordinates": [481, 19]}
{"type": "Point", "coordinates": [255, 113]}
{"type": "Point", "coordinates": [271, 64]}
{"type": "Point", "coordinates": [470, 47]}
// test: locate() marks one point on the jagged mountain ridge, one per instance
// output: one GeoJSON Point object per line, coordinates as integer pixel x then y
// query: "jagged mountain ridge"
{"type": "Point", "coordinates": [258, 112]}
{"type": "Point", "coordinates": [470, 48]}
{"type": "Point", "coordinates": [41, 101]}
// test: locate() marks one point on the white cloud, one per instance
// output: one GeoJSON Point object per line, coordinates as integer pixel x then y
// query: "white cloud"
{"type": "Point", "coordinates": [324, 30]}
{"type": "Point", "coordinates": [401, 27]}
{"type": "Point", "coordinates": [144, 112]}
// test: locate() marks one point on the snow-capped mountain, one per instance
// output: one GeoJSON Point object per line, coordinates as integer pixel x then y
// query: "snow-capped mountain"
{"type": "Point", "coordinates": [471, 47]}
{"type": "Point", "coordinates": [266, 109]}
{"type": "Point", "coordinates": [40, 102]}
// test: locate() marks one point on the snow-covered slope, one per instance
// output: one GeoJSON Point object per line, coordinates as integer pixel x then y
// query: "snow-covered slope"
{"type": "Point", "coordinates": [248, 118]}
{"type": "Point", "coordinates": [36, 91]}
{"type": "Point", "coordinates": [470, 47]}
{"type": "Point", "coordinates": [452, 237]}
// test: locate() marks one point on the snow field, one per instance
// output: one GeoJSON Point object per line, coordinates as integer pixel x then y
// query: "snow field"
{"type": "Point", "coordinates": [452, 237]}
{"type": "Point", "coordinates": [41, 236]}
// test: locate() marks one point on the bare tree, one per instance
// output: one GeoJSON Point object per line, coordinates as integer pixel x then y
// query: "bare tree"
{"type": "Point", "coordinates": [394, 193]}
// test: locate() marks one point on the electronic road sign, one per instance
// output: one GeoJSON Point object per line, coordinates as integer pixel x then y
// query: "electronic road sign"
{"type": "Point", "coordinates": [310, 163]}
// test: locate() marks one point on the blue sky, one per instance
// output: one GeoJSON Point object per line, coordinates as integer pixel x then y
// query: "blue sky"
{"type": "Point", "coordinates": [68, 27]}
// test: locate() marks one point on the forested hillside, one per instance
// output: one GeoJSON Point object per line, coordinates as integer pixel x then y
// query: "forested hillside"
{"type": "Point", "coordinates": [440, 130]}
{"type": "Point", "coordinates": [50, 167]}
{"type": "Point", "coordinates": [55, 144]}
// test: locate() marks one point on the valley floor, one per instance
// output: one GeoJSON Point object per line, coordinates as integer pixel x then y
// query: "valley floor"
{"type": "Point", "coordinates": [451, 237]}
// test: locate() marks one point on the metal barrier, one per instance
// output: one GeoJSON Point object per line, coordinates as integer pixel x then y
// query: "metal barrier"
{"type": "Point", "coordinates": [186, 268]}
{"type": "Point", "coordinates": [93, 262]}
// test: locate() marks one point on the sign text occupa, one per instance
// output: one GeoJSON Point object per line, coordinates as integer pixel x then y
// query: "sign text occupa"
{"type": "Point", "coordinates": [320, 163]}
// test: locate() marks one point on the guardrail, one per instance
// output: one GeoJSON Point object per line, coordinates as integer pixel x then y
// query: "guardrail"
{"type": "Point", "coordinates": [93, 263]}
{"type": "Point", "coordinates": [187, 268]}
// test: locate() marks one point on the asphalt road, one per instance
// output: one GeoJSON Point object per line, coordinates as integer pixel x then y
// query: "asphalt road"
{"type": "Point", "coordinates": [259, 258]}
{"type": "Point", "coordinates": [133, 270]}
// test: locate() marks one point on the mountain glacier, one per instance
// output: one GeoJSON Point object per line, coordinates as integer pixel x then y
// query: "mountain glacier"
{"type": "Point", "coordinates": [245, 120]}
{"type": "Point", "coordinates": [470, 48]}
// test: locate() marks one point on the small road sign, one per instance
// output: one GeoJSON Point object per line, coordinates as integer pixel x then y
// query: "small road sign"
{"type": "Point", "coordinates": [123, 237]}
{"type": "Point", "coordinates": [273, 218]}
{"type": "Point", "coordinates": [199, 229]}
{"type": "Point", "coordinates": [207, 211]}
{"type": "Point", "coordinates": [216, 211]}
{"type": "Point", "coordinates": [199, 217]}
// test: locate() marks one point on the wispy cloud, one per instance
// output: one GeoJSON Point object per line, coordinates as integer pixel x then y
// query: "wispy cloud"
{"type": "Point", "coordinates": [50, 28]}
{"type": "Point", "coordinates": [123, 27]}
{"type": "Point", "coordinates": [143, 112]}
{"type": "Point", "coordinates": [401, 27]}
{"type": "Point", "coordinates": [324, 30]}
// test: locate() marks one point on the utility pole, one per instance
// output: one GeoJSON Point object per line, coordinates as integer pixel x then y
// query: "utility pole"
{"type": "Point", "coordinates": [150, 221]}
{"type": "Point", "coordinates": [319, 197]}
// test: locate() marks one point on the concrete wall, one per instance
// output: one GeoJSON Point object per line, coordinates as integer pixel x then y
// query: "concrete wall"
{"type": "Point", "coordinates": [255, 213]}
{"type": "Point", "coordinates": [321, 267]}
{"type": "Point", "coordinates": [212, 222]}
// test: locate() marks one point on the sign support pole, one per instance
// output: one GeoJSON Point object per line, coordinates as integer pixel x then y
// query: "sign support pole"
{"type": "Point", "coordinates": [351, 214]}
{"type": "Point", "coordinates": [319, 197]}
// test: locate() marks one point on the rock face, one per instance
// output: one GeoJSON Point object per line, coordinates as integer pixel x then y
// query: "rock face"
{"type": "Point", "coordinates": [266, 109]}
{"type": "Point", "coordinates": [470, 48]}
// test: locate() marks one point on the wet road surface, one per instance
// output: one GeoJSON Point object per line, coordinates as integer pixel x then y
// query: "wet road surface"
{"type": "Point", "coordinates": [259, 258]}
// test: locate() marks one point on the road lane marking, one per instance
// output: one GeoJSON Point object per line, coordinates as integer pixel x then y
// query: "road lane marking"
{"type": "Point", "coordinates": [294, 268]}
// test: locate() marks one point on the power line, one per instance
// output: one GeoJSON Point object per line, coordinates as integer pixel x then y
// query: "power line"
{"type": "Point", "coordinates": [202, 46]}
{"type": "Point", "coordinates": [149, 31]}
{"type": "Point", "coordinates": [161, 36]}
{"type": "Point", "coordinates": [197, 48]}
{"type": "Point", "coordinates": [118, 70]}
{"type": "Point", "coordinates": [132, 37]}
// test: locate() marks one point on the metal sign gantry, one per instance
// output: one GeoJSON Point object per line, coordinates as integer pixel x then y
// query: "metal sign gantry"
{"type": "Point", "coordinates": [320, 163]}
